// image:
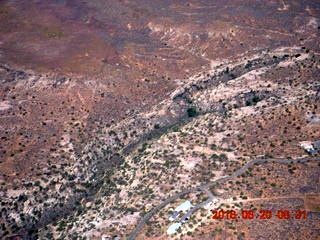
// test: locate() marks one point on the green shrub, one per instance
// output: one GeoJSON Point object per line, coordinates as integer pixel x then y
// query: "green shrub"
{"type": "Point", "coordinates": [192, 112]}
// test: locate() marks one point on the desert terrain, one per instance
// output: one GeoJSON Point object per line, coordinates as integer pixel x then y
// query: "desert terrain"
{"type": "Point", "coordinates": [112, 113]}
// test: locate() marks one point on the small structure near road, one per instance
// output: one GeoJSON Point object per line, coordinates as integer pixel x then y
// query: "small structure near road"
{"type": "Point", "coordinates": [212, 203]}
{"type": "Point", "coordinates": [312, 148]}
{"type": "Point", "coordinates": [173, 228]}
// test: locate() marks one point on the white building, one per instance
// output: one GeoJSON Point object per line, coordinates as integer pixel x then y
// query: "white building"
{"type": "Point", "coordinates": [183, 207]}
{"type": "Point", "coordinates": [213, 202]}
{"type": "Point", "coordinates": [173, 228]}
{"type": "Point", "coordinates": [306, 145]}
